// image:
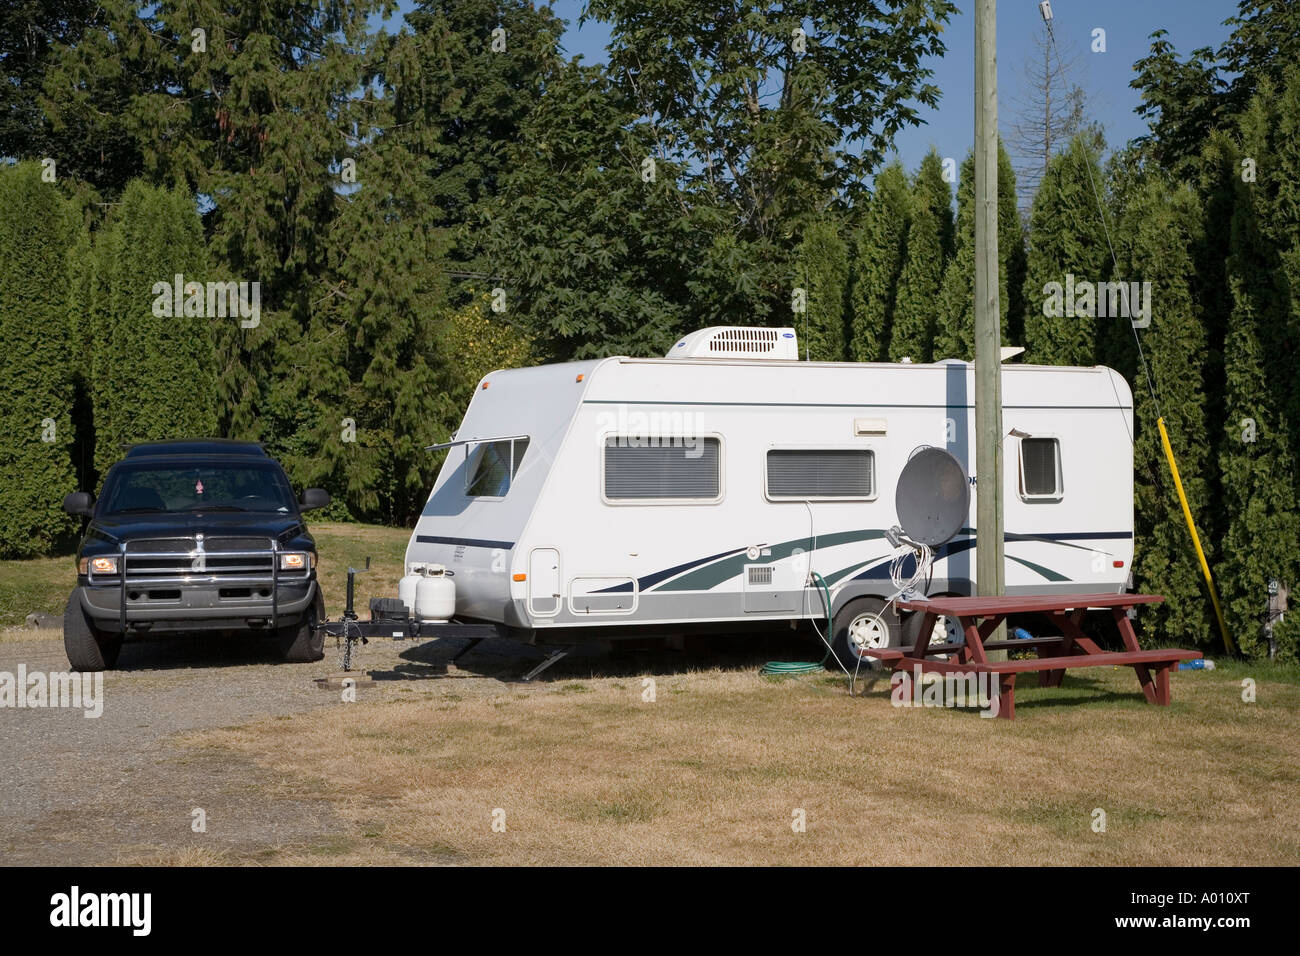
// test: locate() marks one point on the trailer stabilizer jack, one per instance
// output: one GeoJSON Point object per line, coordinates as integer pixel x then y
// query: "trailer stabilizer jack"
{"type": "Point", "coordinates": [553, 657]}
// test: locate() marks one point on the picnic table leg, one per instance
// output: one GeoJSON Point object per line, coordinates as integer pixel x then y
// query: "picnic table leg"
{"type": "Point", "coordinates": [1162, 684]}
{"type": "Point", "coordinates": [1069, 631]}
{"type": "Point", "coordinates": [923, 636]}
{"type": "Point", "coordinates": [1045, 677]}
{"type": "Point", "coordinates": [974, 639]}
{"type": "Point", "coordinates": [1007, 696]}
{"type": "Point", "coordinates": [1150, 689]}
{"type": "Point", "coordinates": [1073, 640]}
{"type": "Point", "coordinates": [1125, 627]}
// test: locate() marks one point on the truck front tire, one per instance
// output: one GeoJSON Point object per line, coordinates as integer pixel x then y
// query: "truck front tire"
{"type": "Point", "coordinates": [304, 643]}
{"type": "Point", "coordinates": [88, 648]}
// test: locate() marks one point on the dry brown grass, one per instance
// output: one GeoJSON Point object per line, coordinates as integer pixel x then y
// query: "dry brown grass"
{"type": "Point", "coordinates": [588, 773]}
{"type": "Point", "coordinates": [11, 635]}
{"type": "Point", "coordinates": [181, 856]}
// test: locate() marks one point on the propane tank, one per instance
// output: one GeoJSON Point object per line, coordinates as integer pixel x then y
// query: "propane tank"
{"type": "Point", "coordinates": [406, 587]}
{"type": "Point", "coordinates": [435, 594]}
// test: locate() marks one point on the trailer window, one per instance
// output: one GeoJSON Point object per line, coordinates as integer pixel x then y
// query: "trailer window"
{"type": "Point", "coordinates": [821, 473]}
{"type": "Point", "coordinates": [640, 469]}
{"type": "Point", "coordinates": [492, 465]}
{"type": "Point", "coordinates": [1040, 468]}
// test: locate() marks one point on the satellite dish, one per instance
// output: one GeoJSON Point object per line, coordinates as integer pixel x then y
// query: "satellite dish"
{"type": "Point", "coordinates": [933, 496]}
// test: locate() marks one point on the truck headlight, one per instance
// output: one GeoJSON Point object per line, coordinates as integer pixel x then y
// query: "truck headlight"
{"type": "Point", "coordinates": [294, 561]}
{"type": "Point", "coordinates": [99, 565]}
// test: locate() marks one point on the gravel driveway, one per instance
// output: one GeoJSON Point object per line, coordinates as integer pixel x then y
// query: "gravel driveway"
{"type": "Point", "coordinates": [120, 788]}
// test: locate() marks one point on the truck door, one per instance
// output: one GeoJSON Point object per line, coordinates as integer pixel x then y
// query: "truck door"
{"type": "Point", "coordinates": [544, 582]}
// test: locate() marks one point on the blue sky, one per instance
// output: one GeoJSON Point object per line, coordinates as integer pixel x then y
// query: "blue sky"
{"type": "Point", "coordinates": [1105, 76]}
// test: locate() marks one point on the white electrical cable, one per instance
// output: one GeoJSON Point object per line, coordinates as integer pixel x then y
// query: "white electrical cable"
{"type": "Point", "coordinates": [920, 553]}
{"type": "Point", "coordinates": [826, 639]}
{"type": "Point", "coordinates": [923, 556]}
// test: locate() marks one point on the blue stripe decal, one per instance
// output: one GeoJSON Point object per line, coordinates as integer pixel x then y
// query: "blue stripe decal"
{"type": "Point", "coordinates": [652, 401]}
{"type": "Point", "coordinates": [471, 542]}
{"type": "Point", "coordinates": [880, 566]}
{"type": "Point", "coordinates": [652, 579]}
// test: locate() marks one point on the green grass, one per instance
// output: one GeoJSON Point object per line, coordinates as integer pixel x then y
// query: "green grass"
{"type": "Point", "coordinates": [40, 584]}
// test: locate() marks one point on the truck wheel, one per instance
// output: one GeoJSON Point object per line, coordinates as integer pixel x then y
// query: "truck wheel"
{"type": "Point", "coordinates": [863, 624]}
{"type": "Point", "coordinates": [88, 648]}
{"type": "Point", "coordinates": [303, 643]}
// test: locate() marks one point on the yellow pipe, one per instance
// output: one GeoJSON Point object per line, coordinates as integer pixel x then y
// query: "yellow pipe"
{"type": "Point", "coordinates": [1196, 539]}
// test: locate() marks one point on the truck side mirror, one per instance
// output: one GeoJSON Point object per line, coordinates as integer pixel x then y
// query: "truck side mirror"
{"type": "Point", "coordinates": [79, 503]}
{"type": "Point", "coordinates": [313, 498]}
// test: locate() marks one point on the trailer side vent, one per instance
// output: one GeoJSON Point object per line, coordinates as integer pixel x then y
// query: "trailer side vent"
{"type": "Point", "coordinates": [737, 342]}
{"type": "Point", "coordinates": [760, 574]}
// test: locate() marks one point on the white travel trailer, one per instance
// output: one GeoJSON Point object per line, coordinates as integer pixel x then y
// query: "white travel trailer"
{"type": "Point", "coordinates": [705, 489]}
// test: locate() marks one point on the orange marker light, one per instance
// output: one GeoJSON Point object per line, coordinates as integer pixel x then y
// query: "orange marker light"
{"type": "Point", "coordinates": [579, 378]}
{"type": "Point", "coordinates": [521, 577]}
{"type": "Point", "coordinates": [486, 384]}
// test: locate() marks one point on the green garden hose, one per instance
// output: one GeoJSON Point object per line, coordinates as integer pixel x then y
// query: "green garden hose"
{"type": "Point", "coordinates": [794, 668]}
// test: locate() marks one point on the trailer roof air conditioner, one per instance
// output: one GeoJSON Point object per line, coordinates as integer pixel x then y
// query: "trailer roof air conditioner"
{"type": "Point", "coordinates": [722, 341]}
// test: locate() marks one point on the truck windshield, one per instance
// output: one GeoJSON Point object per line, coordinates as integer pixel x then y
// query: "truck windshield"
{"type": "Point", "coordinates": [207, 486]}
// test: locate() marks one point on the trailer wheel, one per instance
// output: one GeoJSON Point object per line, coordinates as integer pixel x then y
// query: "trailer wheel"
{"type": "Point", "coordinates": [862, 624]}
{"type": "Point", "coordinates": [947, 630]}
{"type": "Point", "coordinates": [88, 648]}
{"type": "Point", "coordinates": [304, 642]}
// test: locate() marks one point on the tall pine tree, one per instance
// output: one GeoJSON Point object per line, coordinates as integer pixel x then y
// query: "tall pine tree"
{"type": "Point", "coordinates": [934, 190]}
{"type": "Point", "coordinates": [1157, 233]}
{"type": "Point", "coordinates": [916, 305]}
{"type": "Point", "coordinates": [1067, 247]}
{"type": "Point", "coordinates": [36, 367]}
{"type": "Point", "coordinates": [955, 326]}
{"type": "Point", "coordinates": [878, 254]}
{"type": "Point", "coordinates": [154, 356]}
{"type": "Point", "coordinates": [823, 274]}
{"type": "Point", "coordinates": [1258, 459]}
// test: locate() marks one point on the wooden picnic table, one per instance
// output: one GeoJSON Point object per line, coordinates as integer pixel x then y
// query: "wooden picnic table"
{"type": "Point", "coordinates": [980, 616]}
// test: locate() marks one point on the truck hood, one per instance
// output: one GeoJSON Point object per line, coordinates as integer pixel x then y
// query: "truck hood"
{"type": "Point", "coordinates": [223, 523]}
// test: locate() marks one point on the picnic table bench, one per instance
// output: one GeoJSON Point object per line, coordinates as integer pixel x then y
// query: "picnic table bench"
{"type": "Point", "coordinates": [980, 616]}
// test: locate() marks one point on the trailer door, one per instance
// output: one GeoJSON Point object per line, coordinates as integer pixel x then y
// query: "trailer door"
{"type": "Point", "coordinates": [544, 582]}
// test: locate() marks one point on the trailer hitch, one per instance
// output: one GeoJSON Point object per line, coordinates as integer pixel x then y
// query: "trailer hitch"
{"type": "Point", "coordinates": [346, 629]}
{"type": "Point", "coordinates": [390, 618]}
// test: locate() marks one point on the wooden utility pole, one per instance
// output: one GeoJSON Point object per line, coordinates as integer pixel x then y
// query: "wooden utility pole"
{"type": "Point", "coordinates": [988, 342]}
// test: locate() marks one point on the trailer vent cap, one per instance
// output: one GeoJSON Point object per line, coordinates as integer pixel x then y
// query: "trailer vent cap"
{"type": "Point", "coordinates": [721, 341]}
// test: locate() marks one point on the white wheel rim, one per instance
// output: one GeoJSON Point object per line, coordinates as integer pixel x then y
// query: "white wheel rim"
{"type": "Point", "coordinates": [946, 631]}
{"type": "Point", "coordinates": [867, 631]}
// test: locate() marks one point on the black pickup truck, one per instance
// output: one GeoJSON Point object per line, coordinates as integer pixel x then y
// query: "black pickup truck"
{"type": "Point", "coordinates": [194, 535]}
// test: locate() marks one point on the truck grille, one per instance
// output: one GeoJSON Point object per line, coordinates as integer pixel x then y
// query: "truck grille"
{"type": "Point", "coordinates": [225, 557]}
